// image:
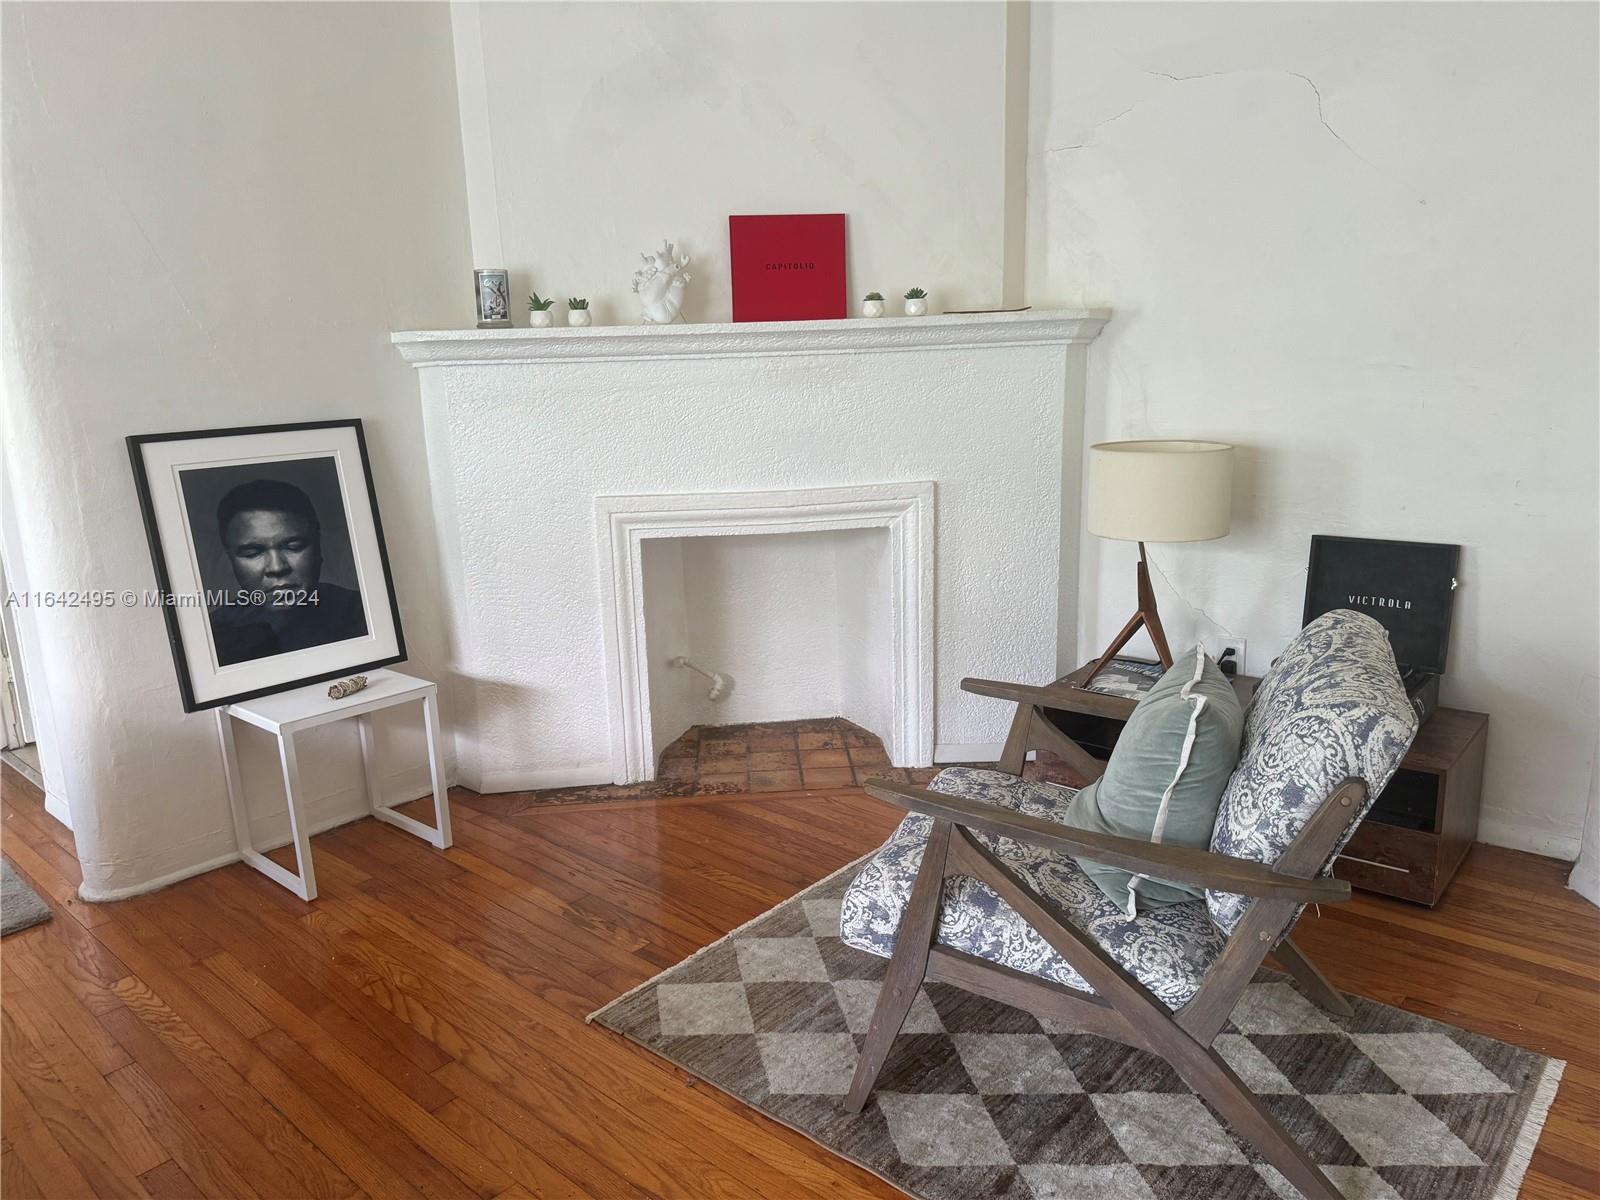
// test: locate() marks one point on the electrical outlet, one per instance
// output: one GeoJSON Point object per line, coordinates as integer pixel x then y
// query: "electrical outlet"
{"type": "Point", "coordinates": [1216, 645]}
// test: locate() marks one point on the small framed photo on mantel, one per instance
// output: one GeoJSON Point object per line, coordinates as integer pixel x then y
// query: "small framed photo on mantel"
{"type": "Point", "coordinates": [493, 289]}
{"type": "Point", "coordinates": [269, 557]}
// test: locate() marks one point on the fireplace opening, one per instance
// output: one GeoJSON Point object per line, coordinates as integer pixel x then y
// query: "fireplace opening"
{"type": "Point", "coordinates": [799, 624]}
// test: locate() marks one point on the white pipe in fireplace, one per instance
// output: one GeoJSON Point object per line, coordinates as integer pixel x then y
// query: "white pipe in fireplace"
{"type": "Point", "coordinates": [721, 684]}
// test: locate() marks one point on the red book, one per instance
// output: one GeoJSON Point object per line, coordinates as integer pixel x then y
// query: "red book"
{"type": "Point", "coordinates": [788, 268]}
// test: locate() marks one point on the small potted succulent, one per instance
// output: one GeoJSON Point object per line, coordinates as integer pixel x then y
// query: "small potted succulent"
{"type": "Point", "coordinates": [872, 306]}
{"type": "Point", "coordinates": [916, 302]}
{"type": "Point", "coordinates": [577, 311]}
{"type": "Point", "coordinates": [539, 312]}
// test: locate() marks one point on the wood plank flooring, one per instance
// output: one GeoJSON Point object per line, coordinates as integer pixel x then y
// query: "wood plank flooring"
{"type": "Point", "coordinates": [418, 1031]}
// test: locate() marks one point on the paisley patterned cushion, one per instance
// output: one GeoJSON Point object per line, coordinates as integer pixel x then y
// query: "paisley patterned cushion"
{"type": "Point", "coordinates": [1332, 707]}
{"type": "Point", "coordinates": [1168, 949]}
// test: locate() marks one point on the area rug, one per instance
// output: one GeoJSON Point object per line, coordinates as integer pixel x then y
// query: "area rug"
{"type": "Point", "coordinates": [20, 906]}
{"type": "Point", "coordinates": [982, 1100]}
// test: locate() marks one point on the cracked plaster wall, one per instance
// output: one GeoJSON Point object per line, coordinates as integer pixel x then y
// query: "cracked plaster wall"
{"type": "Point", "coordinates": [1359, 241]}
{"type": "Point", "coordinates": [597, 130]}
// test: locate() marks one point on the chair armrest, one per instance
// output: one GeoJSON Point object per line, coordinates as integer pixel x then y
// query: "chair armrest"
{"type": "Point", "coordinates": [1049, 696]}
{"type": "Point", "coordinates": [1180, 864]}
{"type": "Point", "coordinates": [1032, 730]}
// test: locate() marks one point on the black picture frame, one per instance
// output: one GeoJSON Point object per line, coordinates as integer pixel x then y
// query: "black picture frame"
{"type": "Point", "coordinates": [137, 444]}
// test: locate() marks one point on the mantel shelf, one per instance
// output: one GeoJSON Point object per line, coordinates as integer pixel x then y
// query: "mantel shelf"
{"type": "Point", "coordinates": [469, 347]}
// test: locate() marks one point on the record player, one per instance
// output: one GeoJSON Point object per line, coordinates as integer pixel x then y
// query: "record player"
{"type": "Point", "coordinates": [1407, 587]}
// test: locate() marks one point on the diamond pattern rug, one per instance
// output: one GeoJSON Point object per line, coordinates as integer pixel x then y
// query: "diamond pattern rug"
{"type": "Point", "coordinates": [979, 1099]}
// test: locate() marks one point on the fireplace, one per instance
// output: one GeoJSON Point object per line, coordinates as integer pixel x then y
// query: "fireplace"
{"type": "Point", "coordinates": [937, 458]}
{"type": "Point", "coordinates": [818, 601]}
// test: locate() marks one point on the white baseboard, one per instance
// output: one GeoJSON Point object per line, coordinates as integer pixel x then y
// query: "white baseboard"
{"type": "Point", "coordinates": [971, 752]}
{"type": "Point", "coordinates": [490, 782]}
{"type": "Point", "coordinates": [1513, 832]}
{"type": "Point", "coordinates": [56, 805]}
{"type": "Point", "coordinates": [1585, 879]}
{"type": "Point", "coordinates": [949, 752]}
{"type": "Point", "coordinates": [101, 896]}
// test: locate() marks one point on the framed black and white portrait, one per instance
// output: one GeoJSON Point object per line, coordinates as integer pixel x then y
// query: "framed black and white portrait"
{"type": "Point", "coordinates": [269, 557]}
{"type": "Point", "coordinates": [494, 299]}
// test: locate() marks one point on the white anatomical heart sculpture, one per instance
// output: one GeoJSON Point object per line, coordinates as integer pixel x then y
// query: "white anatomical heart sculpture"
{"type": "Point", "coordinates": [660, 283]}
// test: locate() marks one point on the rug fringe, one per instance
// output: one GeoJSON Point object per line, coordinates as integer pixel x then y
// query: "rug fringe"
{"type": "Point", "coordinates": [1544, 1096]}
{"type": "Point", "coordinates": [711, 945]}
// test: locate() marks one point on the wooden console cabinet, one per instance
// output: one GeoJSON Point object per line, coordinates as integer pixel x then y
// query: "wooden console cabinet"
{"type": "Point", "coordinates": [1419, 830]}
{"type": "Point", "coordinates": [1427, 818]}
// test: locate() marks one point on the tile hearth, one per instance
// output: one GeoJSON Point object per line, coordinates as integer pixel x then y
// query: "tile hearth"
{"type": "Point", "coordinates": [774, 756]}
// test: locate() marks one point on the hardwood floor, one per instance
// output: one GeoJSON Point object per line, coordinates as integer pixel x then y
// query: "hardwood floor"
{"type": "Point", "coordinates": [418, 1031]}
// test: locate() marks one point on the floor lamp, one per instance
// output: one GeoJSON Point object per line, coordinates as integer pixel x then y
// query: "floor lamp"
{"type": "Point", "coordinates": [1156, 491]}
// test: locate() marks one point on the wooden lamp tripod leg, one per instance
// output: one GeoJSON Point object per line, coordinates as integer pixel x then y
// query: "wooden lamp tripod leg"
{"type": "Point", "coordinates": [1147, 611]}
{"type": "Point", "coordinates": [1146, 616]}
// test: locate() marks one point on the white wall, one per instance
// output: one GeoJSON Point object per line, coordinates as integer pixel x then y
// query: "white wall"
{"type": "Point", "coordinates": [213, 216]}
{"type": "Point", "coordinates": [1360, 242]}
{"type": "Point", "coordinates": [594, 131]}
{"type": "Point", "coordinates": [763, 608]}
{"type": "Point", "coordinates": [800, 622]}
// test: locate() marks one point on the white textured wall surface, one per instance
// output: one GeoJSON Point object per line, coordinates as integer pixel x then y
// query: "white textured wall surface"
{"type": "Point", "coordinates": [518, 453]}
{"type": "Point", "coordinates": [799, 621]}
{"type": "Point", "coordinates": [213, 216]}
{"type": "Point", "coordinates": [597, 130]}
{"type": "Point", "coordinates": [762, 607]}
{"type": "Point", "coordinates": [1359, 241]}
{"type": "Point", "coordinates": [765, 609]}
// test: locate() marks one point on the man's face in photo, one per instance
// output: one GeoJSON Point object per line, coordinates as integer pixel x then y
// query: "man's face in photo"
{"type": "Point", "coordinates": [273, 551]}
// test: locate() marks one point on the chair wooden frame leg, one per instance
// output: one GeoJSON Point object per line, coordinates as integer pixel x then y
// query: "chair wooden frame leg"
{"type": "Point", "coordinates": [907, 967]}
{"type": "Point", "coordinates": [1316, 987]}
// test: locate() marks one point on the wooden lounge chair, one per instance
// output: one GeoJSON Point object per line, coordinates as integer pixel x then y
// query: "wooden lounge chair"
{"type": "Point", "coordinates": [979, 886]}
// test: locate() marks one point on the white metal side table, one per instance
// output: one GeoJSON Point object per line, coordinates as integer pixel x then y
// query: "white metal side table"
{"type": "Point", "coordinates": [289, 713]}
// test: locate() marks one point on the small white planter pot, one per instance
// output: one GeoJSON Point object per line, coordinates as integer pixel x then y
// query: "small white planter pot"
{"type": "Point", "coordinates": [872, 308]}
{"type": "Point", "coordinates": [578, 317]}
{"type": "Point", "coordinates": [916, 308]}
{"type": "Point", "coordinates": [539, 318]}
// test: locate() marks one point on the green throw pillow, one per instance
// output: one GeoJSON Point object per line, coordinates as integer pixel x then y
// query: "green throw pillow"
{"type": "Point", "coordinates": [1165, 778]}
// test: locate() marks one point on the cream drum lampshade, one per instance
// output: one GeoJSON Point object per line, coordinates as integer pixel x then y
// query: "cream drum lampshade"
{"type": "Point", "coordinates": [1159, 491]}
{"type": "Point", "coordinates": [1164, 491]}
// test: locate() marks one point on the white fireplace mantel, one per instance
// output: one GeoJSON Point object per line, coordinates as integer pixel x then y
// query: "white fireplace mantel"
{"type": "Point", "coordinates": [756, 339]}
{"type": "Point", "coordinates": [538, 438]}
